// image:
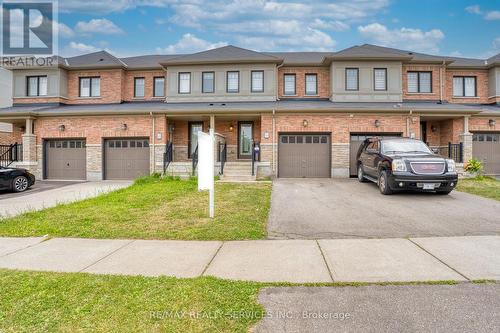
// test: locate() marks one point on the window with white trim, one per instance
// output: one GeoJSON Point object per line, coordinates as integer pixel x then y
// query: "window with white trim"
{"type": "Point", "coordinates": [184, 83]}
{"type": "Point", "coordinates": [419, 82]}
{"type": "Point", "coordinates": [37, 85]}
{"type": "Point", "coordinates": [380, 79]}
{"type": "Point", "coordinates": [464, 86]}
{"type": "Point", "coordinates": [257, 81]}
{"type": "Point", "coordinates": [351, 79]}
{"type": "Point", "coordinates": [311, 84]}
{"type": "Point", "coordinates": [233, 82]}
{"type": "Point", "coordinates": [90, 86]}
{"type": "Point", "coordinates": [289, 84]}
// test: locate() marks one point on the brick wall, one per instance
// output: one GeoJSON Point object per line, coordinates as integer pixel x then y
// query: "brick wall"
{"type": "Point", "coordinates": [482, 124]}
{"type": "Point", "coordinates": [435, 70]}
{"type": "Point", "coordinates": [128, 88]}
{"type": "Point", "coordinates": [323, 80]}
{"type": "Point", "coordinates": [481, 82]}
{"type": "Point", "coordinates": [40, 100]}
{"type": "Point", "coordinates": [111, 86]}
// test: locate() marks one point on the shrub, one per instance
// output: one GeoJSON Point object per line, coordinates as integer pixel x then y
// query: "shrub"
{"type": "Point", "coordinates": [473, 166]}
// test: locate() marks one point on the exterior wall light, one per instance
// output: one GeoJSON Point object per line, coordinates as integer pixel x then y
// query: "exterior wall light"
{"type": "Point", "coordinates": [62, 128]}
{"type": "Point", "coordinates": [171, 127]}
{"type": "Point", "coordinates": [305, 123]}
{"type": "Point", "coordinates": [433, 128]}
{"type": "Point", "coordinates": [492, 122]}
{"type": "Point", "coordinates": [123, 127]}
{"type": "Point", "coordinates": [231, 127]}
{"type": "Point", "coordinates": [377, 123]}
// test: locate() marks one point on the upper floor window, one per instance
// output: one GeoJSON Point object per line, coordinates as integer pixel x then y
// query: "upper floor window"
{"type": "Point", "coordinates": [352, 79]}
{"type": "Point", "coordinates": [138, 87]}
{"type": "Point", "coordinates": [90, 87]}
{"type": "Point", "coordinates": [419, 82]}
{"type": "Point", "coordinates": [184, 83]}
{"type": "Point", "coordinates": [289, 84]}
{"type": "Point", "coordinates": [257, 81]}
{"type": "Point", "coordinates": [311, 84]}
{"type": "Point", "coordinates": [464, 86]}
{"type": "Point", "coordinates": [37, 85]}
{"type": "Point", "coordinates": [233, 82]}
{"type": "Point", "coordinates": [208, 82]}
{"type": "Point", "coordinates": [159, 87]}
{"type": "Point", "coordinates": [380, 79]}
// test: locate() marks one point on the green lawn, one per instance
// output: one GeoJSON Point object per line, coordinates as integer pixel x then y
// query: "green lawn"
{"type": "Point", "coordinates": [484, 186]}
{"type": "Point", "coordinates": [154, 208]}
{"type": "Point", "coordinates": [59, 302]}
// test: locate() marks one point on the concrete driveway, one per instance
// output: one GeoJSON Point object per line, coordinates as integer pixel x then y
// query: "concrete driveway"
{"type": "Point", "coordinates": [328, 208]}
{"type": "Point", "coordinates": [50, 195]}
{"type": "Point", "coordinates": [39, 186]}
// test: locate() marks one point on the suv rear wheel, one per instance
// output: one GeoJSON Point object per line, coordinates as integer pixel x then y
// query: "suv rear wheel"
{"type": "Point", "coordinates": [361, 174]}
{"type": "Point", "coordinates": [383, 183]}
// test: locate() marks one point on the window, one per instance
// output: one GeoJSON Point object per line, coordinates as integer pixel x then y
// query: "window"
{"type": "Point", "coordinates": [311, 84]}
{"type": "Point", "coordinates": [257, 81]}
{"type": "Point", "coordinates": [233, 82]}
{"type": "Point", "coordinates": [184, 83]}
{"type": "Point", "coordinates": [139, 87]}
{"type": "Point", "coordinates": [159, 87]}
{"type": "Point", "coordinates": [351, 79]}
{"type": "Point", "coordinates": [464, 86]}
{"type": "Point", "coordinates": [37, 85]}
{"type": "Point", "coordinates": [289, 84]}
{"type": "Point", "coordinates": [208, 82]}
{"type": "Point", "coordinates": [419, 82]}
{"type": "Point", "coordinates": [90, 87]}
{"type": "Point", "coordinates": [194, 128]}
{"type": "Point", "coordinates": [380, 79]}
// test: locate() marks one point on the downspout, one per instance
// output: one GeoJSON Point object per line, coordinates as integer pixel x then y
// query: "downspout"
{"type": "Point", "coordinates": [153, 141]}
{"type": "Point", "coordinates": [408, 119]}
{"type": "Point", "coordinates": [274, 144]}
{"type": "Point", "coordinates": [441, 82]}
{"type": "Point", "coordinates": [277, 82]}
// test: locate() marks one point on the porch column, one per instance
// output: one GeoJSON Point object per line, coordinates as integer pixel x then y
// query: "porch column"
{"type": "Point", "coordinates": [29, 149]}
{"type": "Point", "coordinates": [466, 139]}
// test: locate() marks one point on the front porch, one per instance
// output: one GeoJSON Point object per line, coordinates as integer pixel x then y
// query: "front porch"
{"type": "Point", "coordinates": [235, 140]}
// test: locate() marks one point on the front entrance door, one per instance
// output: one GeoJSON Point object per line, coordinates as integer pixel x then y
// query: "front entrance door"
{"type": "Point", "coordinates": [194, 128]}
{"type": "Point", "coordinates": [245, 140]}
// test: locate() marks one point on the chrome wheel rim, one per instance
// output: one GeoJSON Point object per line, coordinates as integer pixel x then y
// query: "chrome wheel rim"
{"type": "Point", "coordinates": [360, 173]}
{"type": "Point", "coordinates": [382, 183]}
{"type": "Point", "coordinates": [21, 183]}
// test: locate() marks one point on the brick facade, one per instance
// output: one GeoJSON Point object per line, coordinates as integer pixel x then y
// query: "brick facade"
{"type": "Point", "coordinates": [128, 88]}
{"type": "Point", "coordinates": [40, 100]}
{"type": "Point", "coordinates": [112, 81]}
{"type": "Point", "coordinates": [481, 124]}
{"type": "Point", "coordinates": [323, 81]}
{"type": "Point", "coordinates": [481, 86]}
{"type": "Point", "coordinates": [436, 71]}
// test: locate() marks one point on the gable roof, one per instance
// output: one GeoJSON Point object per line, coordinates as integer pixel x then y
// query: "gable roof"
{"type": "Point", "coordinates": [225, 54]}
{"type": "Point", "coordinates": [494, 61]}
{"type": "Point", "coordinates": [147, 61]}
{"type": "Point", "coordinates": [301, 58]}
{"type": "Point", "coordinates": [370, 52]}
{"type": "Point", "coordinates": [98, 59]}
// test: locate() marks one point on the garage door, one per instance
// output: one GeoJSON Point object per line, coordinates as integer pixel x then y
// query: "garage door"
{"type": "Point", "coordinates": [304, 155]}
{"type": "Point", "coordinates": [126, 158]}
{"type": "Point", "coordinates": [486, 148]}
{"type": "Point", "coordinates": [65, 159]}
{"type": "Point", "coordinates": [356, 141]}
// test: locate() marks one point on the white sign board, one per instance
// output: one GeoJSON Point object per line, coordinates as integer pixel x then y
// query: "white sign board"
{"type": "Point", "coordinates": [206, 166]}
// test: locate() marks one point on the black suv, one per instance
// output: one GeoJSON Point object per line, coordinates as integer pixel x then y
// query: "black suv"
{"type": "Point", "coordinates": [398, 164]}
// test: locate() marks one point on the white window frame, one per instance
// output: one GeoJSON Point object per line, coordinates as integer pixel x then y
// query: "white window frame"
{"type": "Point", "coordinates": [184, 77]}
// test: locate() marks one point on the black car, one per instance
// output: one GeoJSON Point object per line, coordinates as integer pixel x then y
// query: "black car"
{"type": "Point", "coordinates": [17, 180]}
{"type": "Point", "coordinates": [400, 164]}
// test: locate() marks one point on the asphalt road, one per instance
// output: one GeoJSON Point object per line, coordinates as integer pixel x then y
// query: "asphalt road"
{"type": "Point", "coordinates": [463, 307]}
{"type": "Point", "coordinates": [333, 208]}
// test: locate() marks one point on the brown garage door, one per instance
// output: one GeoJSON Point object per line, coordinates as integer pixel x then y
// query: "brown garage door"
{"type": "Point", "coordinates": [356, 141]}
{"type": "Point", "coordinates": [65, 159]}
{"type": "Point", "coordinates": [304, 155]}
{"type": "Point", "coordinates": [486, 148]}
{"type": "Point", "coordinates": [126, 158]}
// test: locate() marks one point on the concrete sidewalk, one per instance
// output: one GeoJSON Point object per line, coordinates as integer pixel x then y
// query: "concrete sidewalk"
{"type": "Point", "coordinates": [26, 202]}
{"type": "Point", "coordinates": [298, 261]}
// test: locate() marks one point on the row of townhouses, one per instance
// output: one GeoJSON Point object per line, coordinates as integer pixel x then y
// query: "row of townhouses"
{"type": "Point", "coordinates": [290, 114]}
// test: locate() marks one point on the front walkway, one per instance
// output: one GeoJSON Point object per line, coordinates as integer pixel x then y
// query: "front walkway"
{"type": "Point", "coordinates": [297, 261]}
{"type": "Point", "coordinates": [18, 203]}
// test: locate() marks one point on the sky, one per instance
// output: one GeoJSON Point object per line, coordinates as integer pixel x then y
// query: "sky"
{"type": "Point", "coordinates": [464, 28]}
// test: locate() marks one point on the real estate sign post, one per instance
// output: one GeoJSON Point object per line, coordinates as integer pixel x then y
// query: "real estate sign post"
{"type": "Point", "coordinates": [206, 167]}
